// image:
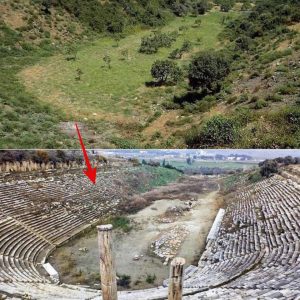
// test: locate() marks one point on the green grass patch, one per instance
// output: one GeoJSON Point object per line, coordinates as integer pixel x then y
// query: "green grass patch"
{"type": "Point", "coordinates": [156, 176]}
{"type": "Point", "coordinates": [25, 122]}
{"type": "Point", "coordinates": [121, 222]}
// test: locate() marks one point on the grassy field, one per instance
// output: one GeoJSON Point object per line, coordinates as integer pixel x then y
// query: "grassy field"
{"type": "Point", "coordinates": [214, 164]}
{"type": "Point", "coordinates": [152, 177]}
{"type": "Point", "coordinates": [116, 100]}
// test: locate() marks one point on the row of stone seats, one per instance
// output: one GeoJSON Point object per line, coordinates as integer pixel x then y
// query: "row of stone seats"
{"type": "Point", "coordinates": [241, 294]}
{"type": "Point", "coordinates": [46, 291]}
{"type": "Point", "coordinates": [266, 217]}
{"type": "Point", "coordinates": [18, 270]}
{"type": "Point", "coordinates": [51, 217]}
{"type": "Point", "coordinates": [19, 250]}
{"type": "Point", "coordinates": [218, 273]}
{"type": "Point", "coordinates": [38, 213]}
{"type": "Point", "coordinates": [279, 269]}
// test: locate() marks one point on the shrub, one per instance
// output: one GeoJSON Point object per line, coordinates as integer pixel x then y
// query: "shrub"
{"type": "Point", "coordinates": [259, 104]}
{"type": "Point", "coordinates": [244, 43]}
{"type": "Point", "coordinates": [217, 131]}
{"type": "Point", "coordinates": [186, 46]}
{"type": "Point", "coordinates": [225, 5]}
{"type": "Point", "coordinates": [150, 278]}
{"type": "Point", "coordinates": [255, 177]}
{"type": "Point", "coordinates": [204, 105]}
{"type": "Point", "coordinates": [293, 117]}
{"type": "Point", "coordinates": [151, 44]}
{"type": "Point", "coordinates": [176, 54]}
{"type": "Point", "coordinates": [286, 89]}
{"type": "Point", "coordinates": [122, 223]}
{"type": "Point", "coordinates": [274, 98]}
{"type": "Point", "coordinates": [124, 280]}
{"type": "Point", "coordinates": [244, 98]}
{"type": "Point", "coordinates": [201, 7]}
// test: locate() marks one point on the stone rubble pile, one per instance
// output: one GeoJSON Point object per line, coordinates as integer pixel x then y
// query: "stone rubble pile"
{"type": "Point", "coordinates": [168, 243]}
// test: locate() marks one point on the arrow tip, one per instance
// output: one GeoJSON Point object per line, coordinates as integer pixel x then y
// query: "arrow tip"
{"type": "Point", "coordinates": [91, 174]}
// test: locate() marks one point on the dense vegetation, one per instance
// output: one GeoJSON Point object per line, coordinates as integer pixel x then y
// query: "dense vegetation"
{"type": "Point", "coordinates": [114, 16]}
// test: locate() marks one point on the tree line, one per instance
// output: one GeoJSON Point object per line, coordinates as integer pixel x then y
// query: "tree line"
{"type": "Point", "coordinates": [271, 166]}
{"type": "Point", "coordinates": [115, 15]}
{"type": "Point", "coordinates": [45, 156]}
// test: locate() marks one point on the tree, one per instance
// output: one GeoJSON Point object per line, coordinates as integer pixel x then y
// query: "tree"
{"type": "Point", "coordinates": [107, 60]}
{"type": "Point", "coordinates": [166, 70]}
{"type": "Point", "coordinates": [179, 9]}
{"type": "Point", "coordinates": [125, 54]}
{"type": "Point", "coordinates": [201, 7]}
{"type": "Point", "coordinates": [46, 6]}
{"type": "Point", "coordinates": [79, 73]}
{"type": "Point", "coordinates": [186, 46]}
{"type": "Point", "coordinates": [226, 5]}
{"type": "Point", "coordinates": [289, 160]}
{"type": "Point", "coordinates": [151, 44]}
{"type": "Point", "coordinates": [268, 167]}
{"type": "Point", "coordinates": [207, 70]}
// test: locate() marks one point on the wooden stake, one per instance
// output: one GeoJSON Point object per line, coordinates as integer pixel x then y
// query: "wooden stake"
{"type": "Point", "coordinates": [107, 263]}
{"type": "Point", "coordinates": [176, 278]}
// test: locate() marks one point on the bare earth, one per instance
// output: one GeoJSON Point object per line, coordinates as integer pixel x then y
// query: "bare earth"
{"type": "Point", "coordinates": [168, 227]}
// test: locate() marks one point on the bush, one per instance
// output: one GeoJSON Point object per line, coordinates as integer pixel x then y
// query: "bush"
{"type": "Point", "coordinates": [293, 117]}
{"type": "Point", "coordinates": [259, 104]}
{"type": "Point", "coordinates": [286, 89]}
{"type": "Point", "coordinates": [244, 98]}
{"type": "Point", "coordinates": [151, 44]}
{"type": "Point", "coordinates": [274, 98]}
{"type": "Point", "coordinates": [201, 7]}
{"type": "Point", "coordinates": [150, 278]}
{"type": "Point", "coordinates": [176, 54]}
{"type": "Point", "coordinates": [122, 223]}
{"type": "Point", "coordinates": [217, 131]}
{"type": "Point", "coordinates": [244, 43]}
{"type": "Point", "coordinates": [124, 280]}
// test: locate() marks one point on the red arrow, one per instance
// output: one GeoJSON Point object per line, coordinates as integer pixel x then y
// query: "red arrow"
{"type": "Point", "coordinates": [90, 172]}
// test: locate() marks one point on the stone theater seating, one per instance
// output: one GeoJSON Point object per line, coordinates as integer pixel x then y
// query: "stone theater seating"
{"type": "Point", "coordinates": [254, 255]}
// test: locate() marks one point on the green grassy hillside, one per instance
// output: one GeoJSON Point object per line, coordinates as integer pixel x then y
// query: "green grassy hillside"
{"type": "Point", "coordinates": [60, 65]}
{"type": "Point", "coordinates": [114, 101]}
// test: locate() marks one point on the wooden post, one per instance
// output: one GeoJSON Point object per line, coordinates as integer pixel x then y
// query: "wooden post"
{"type": "Point", "coordinates": [107, 263]}
{"type": "Point", "coordinates": [176, 278]}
